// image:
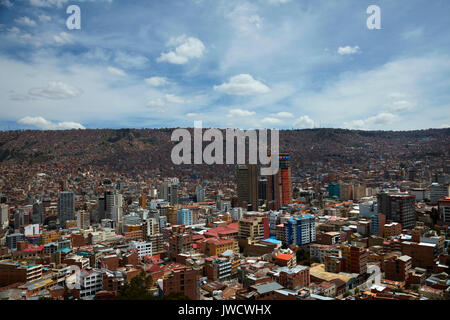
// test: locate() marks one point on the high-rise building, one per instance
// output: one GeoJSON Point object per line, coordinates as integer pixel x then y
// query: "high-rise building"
{"type": "Point", "coordinates": [185, 216]}
{"type": "Point", "coordinates": [444, 210]}
{"type": "Point", "coordinates": [113, 205]}
{"type": "Point", "coordinates": [200, 194]}
{"type": "Point", "coordinates": [286, 184]}
{"type": "Point", "coordinates": [143, 201]}
{"type": "Point", "coordinates": [334, 190]}
{"type": "Point", "coordinates": [279, 185]}
{"type": "Point", "coordinates": [168, 190]}
{"type": "Point", "coordinates": [262, 189]}
{"type": "Point", "coordinates": [66, 207]}
{"type": "Point", "coordinates": [247, 186]}
{"type": "Point", "coordinates": [101, 207]}
{"type": "Point", "coordinates": [398, 207]}
{"type": "Point", "coordinates": [4, 215]}
{"type": "Point", "coordinates": [437, 192]}
{"type": "Point", "coordinates": [300, 230]}
{"type": "Point", "coordinates": [38, 213]}
{"type": "Point", "coordinates": [83, 220]}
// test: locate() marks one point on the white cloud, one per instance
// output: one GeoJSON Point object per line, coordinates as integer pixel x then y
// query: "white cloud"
{"type": "Point", "coordinates": [55, 90]}
{"type": "Point", "coordinates": [170, 98]}
{"type": "Point", "coordinates": [160, 103]}
{"type": "Point", "coordinates": [192, 114]}
{"type": "Point", "coordinates": [187, 48]}
{"type": "Point", "coordinates": [283, 114]}
{"type": "Point", "coordinates": [48, 3]}
{"type": "Point", "coordinates": [413, 33]}
{"type": "Point", "coordinates": [381, 119]}
{"type": "Point", "coordinates": [271, 120]}
{"type": "Point", "coordinates": [41, 123]}
{"type": "Point", "coordinates": [127, 60]}
{"type": "Point", "coordinates": [157, 81]}
{"type": "Point", "coordinates": [6, 3]}
{"type": "Point", "coordinates": [116, 71]}
{"type": "Point", "coordinates": [402, 105]}
{"type": "Point", "coordinates": [242, 84]}
{"type": "Point", "coordinates": [45, 18]}
{"type": "Point", "coordinates": [63, 38]}
{"type": "Point", "coordinates": [304, 122]}
{"type": "Point", "coordinates": [59, 3]}
{"type": "Point", "coordinates": [240, 113]}
{"type": "Point", "coordinates": [348, 50]}
{"type": "Point", "coordinates": [26, 21]}
{"type": "Point", "coordinates": [245, 19]}
{"type": "Point", "coordinates": [277, 2]}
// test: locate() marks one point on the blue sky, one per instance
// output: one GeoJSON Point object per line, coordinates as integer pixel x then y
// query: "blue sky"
{"type": "Point", "coordinates": [244, 64]}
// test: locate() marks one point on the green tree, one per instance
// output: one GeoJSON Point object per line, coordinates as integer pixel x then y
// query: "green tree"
{"type": "Point", "coordinates": [136, 289]}
{"type": "Point", "coordinates": [346, 294]}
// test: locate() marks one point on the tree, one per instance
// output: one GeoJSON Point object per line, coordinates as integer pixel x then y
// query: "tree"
{"type": "Point", "coordinates": [356, 290]}
{"type": "Point", "coordinates": [346, 294]}
{"type": "Point", "coordinates": [136, 289]}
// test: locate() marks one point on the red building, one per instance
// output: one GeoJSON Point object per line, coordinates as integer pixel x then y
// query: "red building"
{"type": "Point", "coordinates": [183, 280]}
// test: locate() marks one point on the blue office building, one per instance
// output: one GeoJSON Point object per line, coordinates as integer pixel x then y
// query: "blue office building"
{"type": "Point", "coordinates": [300, 230]}
{"type": "Point", "coordinates": [185, 216]}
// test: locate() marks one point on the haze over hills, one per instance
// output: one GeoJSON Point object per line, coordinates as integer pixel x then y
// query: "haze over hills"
{"type": "Point", "coordinates": [141, 151]}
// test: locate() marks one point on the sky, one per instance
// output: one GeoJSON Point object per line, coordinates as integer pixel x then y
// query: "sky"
{"type": "Point", "coordinates": [278, 64]}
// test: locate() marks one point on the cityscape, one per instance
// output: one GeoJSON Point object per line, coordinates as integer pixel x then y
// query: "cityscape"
{"type": "Point", "coordinates": [375, 228]}
{"type": "Point", "coordinates": [228, 152]}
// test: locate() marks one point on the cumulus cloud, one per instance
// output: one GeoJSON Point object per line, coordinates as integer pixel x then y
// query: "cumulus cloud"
{"type": "Point", "coordinates": [381, 119]}
{"type": "Point", "coordinates": [271, 120]}
{"type": "Point", "coordinates": [41, 123]}
{"type": "Point", "coordinates": [63, 38]}
{"type": "Point", "coordinates": [186, 49]}
{"type": "Point", "coordinates": [348, 50]}
{"type": "Point", "coordinates": [304, 122]}
{"type": "Point", "coordinates": [26, 21]}
{"type": "Point", "coordinates": [240, 113]}
{"type": "Point", "coordinates": [45, 18]}
{"type": "Point", "coordinates": [159, 104]}
{"type": "Point", "coordinates": [283, 114]}
{"type": "Point", "coordinates": [157, 81]}
{"type": "Point", "coordinates": [116, 71]}
{"type": "Point", "coordinates": [55, 90]}
{"type": "Point", "coordinates": [242, 84]}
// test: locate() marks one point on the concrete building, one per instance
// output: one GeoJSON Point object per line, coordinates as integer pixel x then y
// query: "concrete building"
{"type": "Point", "coordinates": [444, 209]}
{"type": "Point", "coordinates": [247, 186]}
{"type": "Point", "coordinates": [66, 207]}
{"type": "Point", "coordinates": [438, 192]}
{"type": "Point", "coordinates": [143, 248]}
{"type": "Point", "coordinates": [300, 230]}
{"type": "Point", "coordinates": [185, 216]}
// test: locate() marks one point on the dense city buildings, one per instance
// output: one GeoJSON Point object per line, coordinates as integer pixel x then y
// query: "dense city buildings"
{"type": "Point", "coordinates": [328, 229]}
